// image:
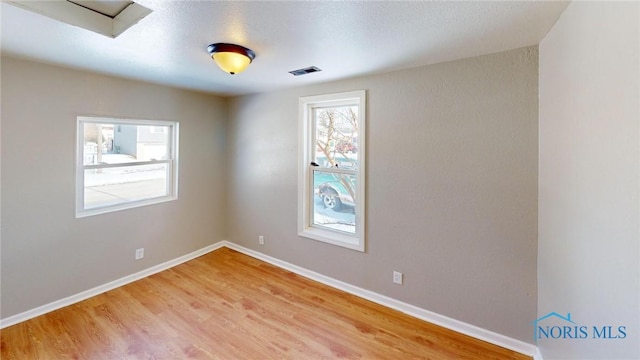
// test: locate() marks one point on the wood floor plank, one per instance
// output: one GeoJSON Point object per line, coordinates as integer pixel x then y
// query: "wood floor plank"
{"type": "Point", "coordinates": [226, 305]}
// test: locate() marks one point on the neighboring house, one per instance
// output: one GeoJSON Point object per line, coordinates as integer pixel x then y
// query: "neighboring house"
{"type": "Point", "coordinates": [141, 142]}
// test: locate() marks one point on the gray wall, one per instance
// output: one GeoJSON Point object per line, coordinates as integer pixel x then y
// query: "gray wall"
{"type": "Point", "coordinates": [589, 181]}
{"type": "Point", "coordinates": [48, 254]}
{"type": "Point", "coordinates": [451, 187]}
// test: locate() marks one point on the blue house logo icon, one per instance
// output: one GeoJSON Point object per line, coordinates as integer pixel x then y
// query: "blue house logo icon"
{"type": "Point", "coordinates": [554, 314]}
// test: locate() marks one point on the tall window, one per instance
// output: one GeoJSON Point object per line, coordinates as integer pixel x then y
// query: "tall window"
{"type": "Point", "coordinates": [332, 168]}
{"type": "Point", "coordinates": [124, 163]}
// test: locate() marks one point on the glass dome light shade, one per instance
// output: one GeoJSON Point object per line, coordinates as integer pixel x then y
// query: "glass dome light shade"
{"type": "Point", "coordinates": [231, 58]}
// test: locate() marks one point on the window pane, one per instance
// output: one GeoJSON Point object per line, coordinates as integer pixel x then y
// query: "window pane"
{"type": "Point", "coordinates": [122, 143]}
{"type": "Point", "coordinates": [336, 137]}
{"type": "Point", "coordinates": [112, 186]}
{"type": "Point", "coordinates": [334, 201]}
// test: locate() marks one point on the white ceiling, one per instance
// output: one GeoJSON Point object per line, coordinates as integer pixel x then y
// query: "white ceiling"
{"type": "Point", "coordinates": [344, 39]}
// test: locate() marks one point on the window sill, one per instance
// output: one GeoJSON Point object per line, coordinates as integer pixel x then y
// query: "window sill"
{"type": "Point", "coordinates": [123, 206]}
{"type": "Point", "coordinates": [333, 237]}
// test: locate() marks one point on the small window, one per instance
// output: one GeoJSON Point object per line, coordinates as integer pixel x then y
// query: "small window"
{"type": "Point", "coordinates": [159, 129]}
{"type": "Point", "coordinates": [332, 162]}
{"type": "Point", "coordinates": [124, 163]}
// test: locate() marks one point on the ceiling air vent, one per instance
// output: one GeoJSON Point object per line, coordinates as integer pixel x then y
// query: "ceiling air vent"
{"type": "Point", "coordinates": [305, 71]}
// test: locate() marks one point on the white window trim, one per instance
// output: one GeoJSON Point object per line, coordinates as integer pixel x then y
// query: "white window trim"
{"type": "Point", "coordinates": [305, 181]}
{"type": "Point", "coordinates": [172, 176]}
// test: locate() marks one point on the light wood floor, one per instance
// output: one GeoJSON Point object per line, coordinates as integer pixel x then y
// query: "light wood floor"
{"type": "Point", "coordinates": [226, 305]}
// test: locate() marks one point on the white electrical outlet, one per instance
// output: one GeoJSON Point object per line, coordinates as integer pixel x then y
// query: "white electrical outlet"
{"type": "Point", "coordinates": [397, 277]}
{"type": "Point", "coordinates": [139, 254]}
{"type": "Point", "coordinates": [261, 240]}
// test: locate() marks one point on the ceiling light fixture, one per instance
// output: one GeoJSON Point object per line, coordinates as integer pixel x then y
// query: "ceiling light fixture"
{"type": "Point", "coordinates": [231, 58]}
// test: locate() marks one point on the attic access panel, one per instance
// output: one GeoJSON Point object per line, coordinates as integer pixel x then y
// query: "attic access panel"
{"type": "Point", "coordinates": [109, 18]}
{"type": "Point", "coordinates": [110, 8]}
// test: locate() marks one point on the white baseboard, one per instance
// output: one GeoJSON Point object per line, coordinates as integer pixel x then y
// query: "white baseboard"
{"type": "Point", "coordinates": [434, 318]}
{"type": "Point", "coordinates": [41, 310]}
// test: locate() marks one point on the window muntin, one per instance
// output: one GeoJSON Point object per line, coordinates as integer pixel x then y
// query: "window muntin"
{"type": "Point", "coordinates": [332, 169]}
{"type": "Point", "coordinates": [124, 163]}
